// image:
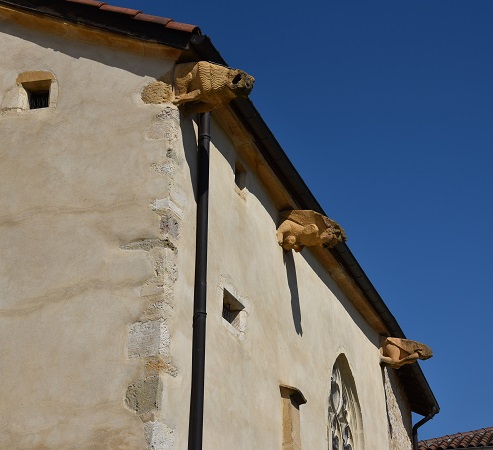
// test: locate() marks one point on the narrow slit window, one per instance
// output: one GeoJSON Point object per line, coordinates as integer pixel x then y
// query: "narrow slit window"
{"type": "Point", "coordinates": [292, 399]}
{"type": "Point", "coordinates": [240, 176]}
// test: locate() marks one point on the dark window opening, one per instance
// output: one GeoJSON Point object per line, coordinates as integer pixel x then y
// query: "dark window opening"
{"type": "Point", "coordinates": [232, 309]}
{"type": "Point", "coordinates": [38, 93]}
{"type": "Point", "coordinates": [228, 314]}
{"type": "Point", "coordinates": [39, 100]}
{"type": "Point", "coordinates": [240, 176]}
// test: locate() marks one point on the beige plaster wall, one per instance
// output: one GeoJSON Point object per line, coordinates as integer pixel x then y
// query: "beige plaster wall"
{"type": "Point", "coordinates": [97, 237]}
{"type": "Point", "coordinates": [86, 233]}
{"type": "Point", "coordinates": [298, 323]}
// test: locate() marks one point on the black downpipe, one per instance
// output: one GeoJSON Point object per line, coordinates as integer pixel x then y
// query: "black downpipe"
{"type": "Point", "coordinates": [430, 416]}
{"type": "Point", "coordinates": [196, 422]}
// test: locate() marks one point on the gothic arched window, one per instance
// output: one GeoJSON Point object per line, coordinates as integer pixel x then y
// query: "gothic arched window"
{"type": "Point", "coordinates": [345, 430]}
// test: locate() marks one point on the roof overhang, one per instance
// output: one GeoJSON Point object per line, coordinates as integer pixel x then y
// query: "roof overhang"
{"type": "Point", "coordinates": [121, 21]}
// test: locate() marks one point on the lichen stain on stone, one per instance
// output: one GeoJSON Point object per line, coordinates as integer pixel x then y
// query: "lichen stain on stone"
{"type": "Point", "coordinates": [158, 364]}
{"type": "Point", "coordinates": [148, 244]}
{"type": "Point", "coordinates": [142, 396]}
{"type": "Point", "coordinates": [169, 225]}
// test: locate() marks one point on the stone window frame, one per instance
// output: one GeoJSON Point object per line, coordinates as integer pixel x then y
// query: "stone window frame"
{"type": "Point", "coordinates": [344, 426]}
{"type": "Point", "coordinates": [16, 99]}
{"type": "Point", "coordinates": [291, 400]}
{"type": "Point", "coordinates": [237, 327]}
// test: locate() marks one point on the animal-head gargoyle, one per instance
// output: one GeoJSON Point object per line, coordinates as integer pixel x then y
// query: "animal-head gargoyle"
{"type": "Point", "coordinates": [199, 86]}
{"type": "Point", "coordinates": [306, 228]}
{"type": "Point", "coordinates": [397, 352]}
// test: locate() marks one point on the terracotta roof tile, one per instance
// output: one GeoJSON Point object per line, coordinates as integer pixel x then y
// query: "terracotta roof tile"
{"type": "Point", "coordinates": [138, 15]}
{"type": "Point", "coordinates": [156, 19]}
{"type": "Point", "coordinates": [470, 439]}
{"type": "Point", "coordinates": [119, 10]}
{"type": "Point", "coordinates": [180, 26]}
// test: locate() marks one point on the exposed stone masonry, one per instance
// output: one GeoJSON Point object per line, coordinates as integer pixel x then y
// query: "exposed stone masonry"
{"type": "Point", "coordinates": [398, 412]}
{"type": "Point", "coordinates": [149, 339]}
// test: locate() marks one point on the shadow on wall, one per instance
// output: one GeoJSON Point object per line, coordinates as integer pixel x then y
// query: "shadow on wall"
{"type": "Point", "coordinates": [293, 288]}
{"type": "Point", "coordinates": [189, 140]}
{"type": "Point", "coordinates": [137, 64]}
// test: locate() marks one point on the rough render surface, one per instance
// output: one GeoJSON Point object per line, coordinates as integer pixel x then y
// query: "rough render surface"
{"type": "Point", "coordinates": [399, 417]}
{"type": "Point", "coordinates": [91, 204]}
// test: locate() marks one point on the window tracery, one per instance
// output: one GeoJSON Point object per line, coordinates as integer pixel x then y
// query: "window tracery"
{"type": "Point", "coordinates": [344, 414]}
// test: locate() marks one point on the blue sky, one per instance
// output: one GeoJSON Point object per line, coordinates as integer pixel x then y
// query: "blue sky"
{"type": "Point", "coordinates": [385, 108]}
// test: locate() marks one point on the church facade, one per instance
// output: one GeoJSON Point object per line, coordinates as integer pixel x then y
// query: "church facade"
{"type": "Point", "coordinates": [99, 192]}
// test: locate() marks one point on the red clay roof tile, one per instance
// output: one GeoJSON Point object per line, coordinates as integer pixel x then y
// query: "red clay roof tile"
{"type": "Point", "coordinates": [180, 26]}
{"type": "Point", "coordinates": [470, 439]}
{"type": "Point", "coordinates": [119, 10]}
{"type": "Point", "coordinates": [139, 15]}
{"type": "Point", "coordinates": [149, 18]}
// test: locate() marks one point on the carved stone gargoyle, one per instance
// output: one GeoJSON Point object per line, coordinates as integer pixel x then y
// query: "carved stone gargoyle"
{"type": "Point", "coordinates": [397, 352]}
{"type": "Point", "coordinates": [306, 228]}
{"type": "Point", "coordinates": [199, 86]}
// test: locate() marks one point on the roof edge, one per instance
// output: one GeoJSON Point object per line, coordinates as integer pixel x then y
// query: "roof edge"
{"type": "Point", "coordinates": [418, 390]}
{"type": "Point", "coordinates": [101, 15]}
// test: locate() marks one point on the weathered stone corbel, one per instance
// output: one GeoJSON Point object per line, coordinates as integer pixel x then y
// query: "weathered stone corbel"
{"type": "Point", "coordinates": [199, 86]}
{"type": "Point", "coordinates": [306, 228]}
{"type": "Point", "coordinates": [397, 352]}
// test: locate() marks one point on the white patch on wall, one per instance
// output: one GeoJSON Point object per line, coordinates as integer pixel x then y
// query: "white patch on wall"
{"type": "Point", "coordinates": [159, 436]}
{"type": "Point", "coordinates": [166, 204]}
{"type": "Point", "coordinates": [148, 339]}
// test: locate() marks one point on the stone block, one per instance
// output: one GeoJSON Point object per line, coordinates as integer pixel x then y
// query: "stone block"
{"type": "Point", "coordinates": [148, 339]}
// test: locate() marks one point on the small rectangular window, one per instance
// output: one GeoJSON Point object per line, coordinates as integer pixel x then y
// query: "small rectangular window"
{"type": "Point", "coordinates": [38, 93]}
{"type": "Point", "coordinates": [291, 399]}
{"type": "Point", "coordinates": [240, 176]}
